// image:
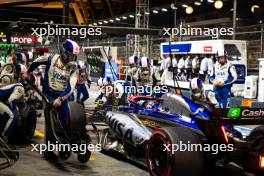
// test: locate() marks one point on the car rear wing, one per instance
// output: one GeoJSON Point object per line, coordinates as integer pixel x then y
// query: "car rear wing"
{"type": "Point", "coordinates": [239, 116]}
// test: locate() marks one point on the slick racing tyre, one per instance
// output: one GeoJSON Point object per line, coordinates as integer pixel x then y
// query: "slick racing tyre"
{"type": "Point", "coordinates": [163, 162]}
{"type": "Point", "coordinates": [24, 129]}
{"type": "Point", "coordinates": [84, 157]}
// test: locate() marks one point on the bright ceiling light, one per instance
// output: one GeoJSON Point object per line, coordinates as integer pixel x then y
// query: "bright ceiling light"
{"type": "Point", "coordinates": [106, 22]}
{"type": "Point", "coordinates": [147, 13]}
{"type": "Point", "coordinates": [155, 11]}
{"type": "Point", "coordinates": [100, 23]}
{"type": "Point", "coordinates": [164, 10]}
{"type": "Point", "coordinates": [197, 3]}
{"type": "Point", "coordinates": [189, 10]}
{"type": "Point", "coordinates": [131, 16]}
{"type": "Point", "coordinates": [211, 1]}
{"type": "Point", "coordinates": [111, 21]}
{"type": "Point", "coordinates": [184, 5]}
{"type": "Point", "coordinates": [95, 24]}
{"type": "Point", "coordinates": [254, 7]}
{"type": "Point", "coordinates": [117, 19]}
{"type": "Point", "coordinates": [139, 14]}
{"type": "Point", "coordinates": [124, 17]}
{"type": "Point", "coordinates": [90, 25]}
{"type": "Point", "coordinates": [218, 4]}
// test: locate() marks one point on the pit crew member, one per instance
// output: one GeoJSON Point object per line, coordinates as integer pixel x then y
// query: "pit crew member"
{"type": "Point", "coordinates": [201, 96]}
{"type": "Point", "coordinates": [9, 72]}
{"type": "Point", "coordinates": [60, 77]}
{"type": "Point", "coordinates": [84, 76]}
{"type": "Point", "coordinates": [9, 95]}
{"type": "Point", "coordinates": [223, 76]}
{"type": "Point", "coordinates": [204, 68]}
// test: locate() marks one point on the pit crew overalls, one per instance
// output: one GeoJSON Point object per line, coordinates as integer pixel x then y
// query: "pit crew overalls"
{"type": "Point", "coordinates": [9, 94]}
{"type": "Point", "coordinates": [228, 74]}
{"type": "Point", "coordinates": [59, 82]}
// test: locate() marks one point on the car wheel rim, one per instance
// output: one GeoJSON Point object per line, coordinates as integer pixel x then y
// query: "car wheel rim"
{"type": "Point", "coordinates": [158, 159]}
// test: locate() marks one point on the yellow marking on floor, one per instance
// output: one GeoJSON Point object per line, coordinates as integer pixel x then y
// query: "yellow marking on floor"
{"type": "Point", "coordinates": [38, 134]}
{"type": "Point", "coordinates": [92, 158]}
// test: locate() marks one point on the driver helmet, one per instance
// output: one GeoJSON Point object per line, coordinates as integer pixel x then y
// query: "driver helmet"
{"type": "Point", "coordinates": [69, 52]}
{"type": "Point", "coordinates": [196, 86]}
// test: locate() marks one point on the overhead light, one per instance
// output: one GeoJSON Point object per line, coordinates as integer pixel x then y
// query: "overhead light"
{"type": "Point", "coordinates": [155, 11]}
{"type": "Point", "coordinates": [117, 19]}
{"type": "Point", "coordinates": [218, 4]}
{"type": "Point", "coordinates": [90, 25]}
{"type": "Point", "coordinates": [184, 5]}
{"type": "Point", "coordinates": [197, 3]}
{"type": "Point", "coordinates": [254, 7]}
{"type": "Point", "coordinates": [147, 13]}
{"type": "Point", "coordinates": [189, 10]}
{"type": "Point", "coordinates": [106, 22]}
{"type": "Point", "coordinates": [173, 6]}
{"type": "Point", "coordinates": [100, 23]}
{"type": "Point", "coordinates": [231, 9]}
{"type": "Point", "coordinates": [111, 21]}
{"type": "Point", "coordinates": [124, 17]}
{"type": "Point", "coordinates": [164, 10]}
{"type": "Point", "coordinates": [131, 16]}
{"type": "Point", "coordinates": [95, 24]}
{"type": "Point", "coordinates": [211, 1]}
{"type": "Point", "coordinates": [138, 14]}
{"type": "Point", "coordinates": [260, 21]}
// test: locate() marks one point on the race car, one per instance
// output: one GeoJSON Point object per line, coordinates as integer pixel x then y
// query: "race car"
{"type": "Point", "coordinates": [152, 130]}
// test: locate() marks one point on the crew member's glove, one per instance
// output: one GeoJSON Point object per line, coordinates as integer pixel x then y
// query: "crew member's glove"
{"type": "Point", "coordinates": [57, 102]}
{"type": "Point", "coordinates": [218, 83]}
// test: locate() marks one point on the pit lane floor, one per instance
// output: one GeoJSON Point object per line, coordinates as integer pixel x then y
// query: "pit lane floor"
{"type": "Point", "coordinates": [31, 163]}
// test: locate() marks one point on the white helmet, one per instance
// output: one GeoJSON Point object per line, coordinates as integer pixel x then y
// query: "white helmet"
{"type": "Point", "coordinates": [196, 86]}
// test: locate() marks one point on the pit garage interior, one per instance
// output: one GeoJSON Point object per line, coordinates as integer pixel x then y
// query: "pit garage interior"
{"type": "Point", "coordinates": [129, 28]}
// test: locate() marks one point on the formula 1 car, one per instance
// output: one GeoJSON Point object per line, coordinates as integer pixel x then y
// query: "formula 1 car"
{"type": "Point", "coordinates": [152, 130]}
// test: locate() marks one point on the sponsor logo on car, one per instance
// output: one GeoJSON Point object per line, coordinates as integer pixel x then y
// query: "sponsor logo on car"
{"type": "Point", "coordinates": [234, 113]}
{"type": "Point", "coordinates": [253, 113]}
